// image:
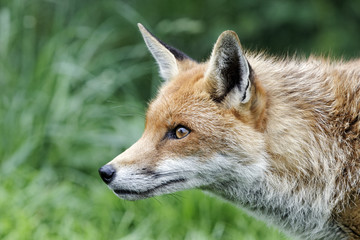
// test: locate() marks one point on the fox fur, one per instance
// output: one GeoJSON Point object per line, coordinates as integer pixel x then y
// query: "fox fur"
{"type": "Point", "coordinates": [278, 137]}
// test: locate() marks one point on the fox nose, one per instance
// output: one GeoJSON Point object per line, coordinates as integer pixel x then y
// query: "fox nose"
{"type": "Point", "coordinates": [107, 173]}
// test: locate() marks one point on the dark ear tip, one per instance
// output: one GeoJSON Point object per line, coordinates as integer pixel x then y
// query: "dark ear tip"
{"type": "Point", "coordinates": [229, 32]}
{"type": "Point", "coordinates": [229, 36]}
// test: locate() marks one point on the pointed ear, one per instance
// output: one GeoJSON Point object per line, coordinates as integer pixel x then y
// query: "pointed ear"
{"type": "Point", "coordinates": [167, 57]}
{"type": "Point", "coordinates": [229, 73]}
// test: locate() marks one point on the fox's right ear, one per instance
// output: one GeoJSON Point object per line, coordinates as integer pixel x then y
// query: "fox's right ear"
{"type": "Point", "coordinates": [167, 57]}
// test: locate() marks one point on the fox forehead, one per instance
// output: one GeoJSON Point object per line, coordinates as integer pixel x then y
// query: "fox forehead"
{"type": "Point", "coordinates": [181, 100]}
{"type": "Point", "coordinates": [184, 101]}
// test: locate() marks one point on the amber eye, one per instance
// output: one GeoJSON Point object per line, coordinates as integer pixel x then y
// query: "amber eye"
{"type": "Point", "coordinates": [181, 132]}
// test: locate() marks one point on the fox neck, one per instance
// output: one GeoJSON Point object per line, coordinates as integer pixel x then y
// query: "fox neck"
{"type": "Point", "coordinates": [292, 212]}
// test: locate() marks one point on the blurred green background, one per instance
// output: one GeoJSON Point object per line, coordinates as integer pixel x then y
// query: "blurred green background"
{"type": "Point", "coordinates": [75, 79]}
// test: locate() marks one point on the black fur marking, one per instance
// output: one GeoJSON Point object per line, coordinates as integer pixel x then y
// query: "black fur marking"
{"type": "Point", "coordinates": [135, 192]}
{"type": "Point", "coordinates": [352, 124]}
{"type": "Point", "coordinates": [247, 86]}
{"type": "Point", "coordinates": [232, 73]}
{"type": "Point", "coordinates": [251, 76]}
{"type": "Point", "coordinates": [218, 99]}
{"type": "Point", "coordinates": [179, 55]}
{"type": "Point", "coordinates": [232, 76]}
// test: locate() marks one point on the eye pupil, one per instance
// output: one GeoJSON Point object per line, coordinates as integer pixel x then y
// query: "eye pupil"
{"type": "Point", "coordinates": [181, 132]}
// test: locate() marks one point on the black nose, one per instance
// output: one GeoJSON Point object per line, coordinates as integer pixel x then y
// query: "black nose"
{"type": "Point", "coordinates": [107, 173]}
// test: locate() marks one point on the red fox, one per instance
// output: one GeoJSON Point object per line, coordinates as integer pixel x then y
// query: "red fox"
{"type": "Point", "coordinates": [279, 138]}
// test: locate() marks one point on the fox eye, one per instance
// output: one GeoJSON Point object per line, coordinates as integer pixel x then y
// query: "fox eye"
{"type": "Point", "coordinates": [181, 132]}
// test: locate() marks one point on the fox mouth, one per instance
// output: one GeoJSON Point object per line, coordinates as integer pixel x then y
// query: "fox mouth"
{"type": "Point", "coordinates": [126, 193]}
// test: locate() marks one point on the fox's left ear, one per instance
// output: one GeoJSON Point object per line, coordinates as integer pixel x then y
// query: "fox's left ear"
{"type": "Point", "coordinates": [167, 57]}
{"type": "Point", "coordinates": [229, 73]}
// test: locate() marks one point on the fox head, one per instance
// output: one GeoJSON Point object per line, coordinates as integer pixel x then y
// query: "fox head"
{"type": "Point", "coordinates": [203, 130]}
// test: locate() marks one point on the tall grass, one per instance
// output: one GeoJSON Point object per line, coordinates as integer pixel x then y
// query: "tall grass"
{"type": "Point", "coordinates": [74, 81]}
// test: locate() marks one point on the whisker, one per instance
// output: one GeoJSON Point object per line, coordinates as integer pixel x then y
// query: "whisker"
{"type": "Point", "coordinates": [157, 200]}
{"type": "Point", "coordinates": [131, 115]}
{"type": "Point", "coordinates": [175, 196]}
{"type": "Point", "coordinates": [174, 172]}
{"type": "Point", "coordinates": [129, 110]}
{"type": "Point", "coordinates": [160, 174]}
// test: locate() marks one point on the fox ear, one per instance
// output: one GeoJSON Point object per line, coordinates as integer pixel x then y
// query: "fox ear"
{"type": "Point", "coordinates": [229, 73]}
{"type": "Point", "coordinates": [167, 57]}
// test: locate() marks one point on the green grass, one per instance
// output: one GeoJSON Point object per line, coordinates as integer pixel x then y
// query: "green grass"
{"type": "Point", "coordinates": [47, 208]}
{"type": "Point", "coordinates": [74, 89]}
{"type": "Point", "coordinates": [75, 78]}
